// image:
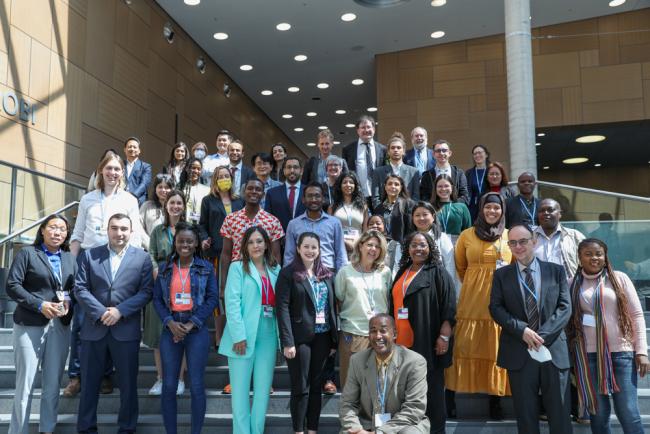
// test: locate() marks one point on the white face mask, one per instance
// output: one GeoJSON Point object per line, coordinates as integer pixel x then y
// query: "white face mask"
{"type": "Point", "coordinates": [200, 154]}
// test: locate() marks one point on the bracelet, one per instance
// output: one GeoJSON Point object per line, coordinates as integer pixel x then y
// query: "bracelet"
{"type": "Point", "coordinates": [444, 338]}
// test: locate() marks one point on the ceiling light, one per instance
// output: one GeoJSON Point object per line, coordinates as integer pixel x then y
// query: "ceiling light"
{"type": "Point", "coordinates": [322, 127]}
{"type": "Point", "coordinates": [546, 167]}
{"type": "Point", "coordinates": [322, 85]}
{"type": "Point", "coordinates": [192, 2]}
{"type": "Point", "coordinates": [299, 57]}
{"type": "Point", "coordinates": [294, 89]}
{"type": "Point", "coordinates": [437, 34]}
{"type": "Point", "coordinates": [348, 17]}
{"type": "Point", "coordinates": [541, 134]}
{"type": "Point", "coordinates": [357, 82]}
{"type": "Point", "coordinates": [438, 3]}
{"type": "Point", "coordinates": [220, 36]}
{"type": "Point", "coordinates": [349, 125]}
{"type": "Point", "coordinates": [575, 160]}
{"type": "Point", "coordinates": [615, 3]}
{"type": "Point", "coordinates": [538, 144]}
{"type": "Point", "coordinates": [372, 109]}
{"type": "Point", "coordinates": [597, 165]}
{"type": "Point", "coordinates": [200, 64]}
{"type": "Point", "coordinates": [246, 67]}
{"type": "Point", "coordinates": [311, 114]}
{"type": "Point", "coordinates": [267, 92]}
{"type": "Point", "coordinates": [298, 129]}
{"type": "Point", "coordinates": [340, 112]}
{"type": "Point", "coordinates": [283, 27]}
{"type": "Point", "coordinates": [336, 142]}
{"type": "Point", "coordinates": [168, 32]}
{"type": "Point", "coordinates": [311, 144]}
{"type": "Point", "coordinates": [287, 116]}
{"type": "Point", "coordinates": [590, 139]}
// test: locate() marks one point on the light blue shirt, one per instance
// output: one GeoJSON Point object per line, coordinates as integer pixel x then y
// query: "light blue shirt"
{"type": "Point", "coordinates": [330, 232]}
{"type": "Point", "coordinates": [537, 279]}
{"type": "Point", "coordinates": [116, 259]}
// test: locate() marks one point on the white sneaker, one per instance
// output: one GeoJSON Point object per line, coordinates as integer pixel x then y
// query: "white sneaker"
{"type": "Point", "coordinates": [181, 387]}
{"type": "Point", "coordinates": [156, 389]}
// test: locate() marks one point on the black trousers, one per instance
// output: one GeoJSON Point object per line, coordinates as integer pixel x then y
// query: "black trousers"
{"type": "Point", "coordinates": [436, 405]}
{"type": "Point", "coordinates": [305, 371]}
{"type": "Point", "coordinates": [125, 358]}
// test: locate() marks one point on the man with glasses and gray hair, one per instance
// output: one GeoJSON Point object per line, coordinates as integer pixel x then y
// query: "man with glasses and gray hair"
{"type": "Point", "coordinates": [315, 169]}
{"type": "Point", "coordinates": [442, 153]}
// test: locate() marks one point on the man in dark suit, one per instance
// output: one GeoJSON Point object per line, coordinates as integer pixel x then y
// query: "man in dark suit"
{"type": "Point", "coordinates": [522, 209]}
{"type": "Point", "coordinates": [364, 155]}
{"type": "Point", "coordinates": [409, 174]}
{"type": "Point", "coordinates": [530, 300]}
{"type": "Point", "coordinates": [284, 201]}
{"type": "Point", "coordinates": [420, 157]}
{"type": "Point", "coordinates": [112, 286]}
{"type": "Point", "coordinates": [138, 173]}
{"type": "Point", "coordinates": [238, 170]}
{"type": "Point", "coordinates": [442, 153]}
{"type": "Point", "coordinates": [315, 169]}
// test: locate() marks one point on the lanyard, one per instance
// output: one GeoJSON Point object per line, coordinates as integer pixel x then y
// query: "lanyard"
{"type": "Point", "coordinates": [347, 213]}
{"type": "Point", "coordinates": [381, 394]}
{"type": "Point", "coordinates": [316, 289]}
{"type": "Point", "coordinates": [526, 287]}
{"type": "Point", "coordinates": [498, 247]}
{"type": "Point", "coordinates": [479, 184]}
{"type": "Point", "coordinates": [525, 207]}
{"type": "Point", "coordinates": [170, 237]}
{"type": "Point", "coordinates": [58, 274]}
{"type": "Point", "coordinates": [445, 217]}
{"type": "Point", "coordinates": [371, 297]}
{"type": "Point", "coordinates": [266, 285]}
{"type": "Point", "coordinates": [405, 286]}
{"type": "Point", "coordinates": [329, 193]}
{"type": "Point", "coordinates": [187, 276]}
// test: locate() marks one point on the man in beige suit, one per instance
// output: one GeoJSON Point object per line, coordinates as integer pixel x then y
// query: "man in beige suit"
{"type": "Point", "coordinates": [386, 389]}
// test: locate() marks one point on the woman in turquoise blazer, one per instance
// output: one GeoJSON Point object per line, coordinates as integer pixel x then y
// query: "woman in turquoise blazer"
{"type": "Point", "coordinates": [250, 339]}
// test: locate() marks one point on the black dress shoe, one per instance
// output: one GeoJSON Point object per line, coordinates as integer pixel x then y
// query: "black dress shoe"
{"type": "Point", "coordinates": [450, 403]}
{"type": "Point", "coordinates": [496, 412]}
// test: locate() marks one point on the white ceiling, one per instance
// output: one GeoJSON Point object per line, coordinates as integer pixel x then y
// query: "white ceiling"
{"type": "Point", "coordinates": [341, 51]}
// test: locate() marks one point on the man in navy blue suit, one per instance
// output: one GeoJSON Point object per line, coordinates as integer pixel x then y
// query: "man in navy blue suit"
{"type": "Point", "coordinates": [113, 284]}
{"type": "Point", "coordinates": [138, 173]}
{"type": "Point", "coordinates": [284, 201]}
{"type": "Point", "coordinates": [420, 157]}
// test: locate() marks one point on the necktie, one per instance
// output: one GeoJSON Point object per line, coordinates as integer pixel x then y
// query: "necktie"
{"type": "Point", "coordinates": [233, 171]}
{"type": "Point", "coordinates": [419, 162]}
{"type": "Point", "coordinates": [531, 302]}
{"type": "Point", "coordinates": [369, 166]}
{"type": "Point", "coordinates": [292, 199]}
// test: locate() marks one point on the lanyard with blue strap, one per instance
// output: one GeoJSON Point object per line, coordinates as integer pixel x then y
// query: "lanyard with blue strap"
{"type": "Point", "coordinates": [479, 184]}
{"type": "Point", "coordinates": [445, 217]}
{"type": "Point", "coordinates": [530, 214]}
{"type": "Point", "coordinates": [526, 287]}
{"type": "Point", "coordinates": [381, 394]}
{"type": "Point", "coordinates": [187, 276]}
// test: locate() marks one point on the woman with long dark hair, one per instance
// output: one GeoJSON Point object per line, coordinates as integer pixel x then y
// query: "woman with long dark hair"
{"type": "Point", "coordinates": [497, 179]}
{"type": "Point", "coordinates": [152, 212]}
{"type": "Point", "coordinates": [178, 158]}
{"type": "Point", "coordinates": [193, 190]}
{"type": "Point", "coordinates": [395, 207]}
{"type": "Point", "coordinates": [350, 208]}
{"type": "Point", "coordinates": [453, 216]}
{"type": "Point", "coordinates": [40, 280]}
{"type": "Point", "coordinates": [279, 154]}
{"type": "Point", "coordinates": [607, 338]}
{"type": "Point", "coordinates": [306, 312]}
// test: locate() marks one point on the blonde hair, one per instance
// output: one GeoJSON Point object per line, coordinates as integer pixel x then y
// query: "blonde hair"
{"type": "Point", "coordinates": [378, 264]}
{"type": "Point", "coordinates": [215, 178]}
{"type": "Point", "coordinates": [99, 178]}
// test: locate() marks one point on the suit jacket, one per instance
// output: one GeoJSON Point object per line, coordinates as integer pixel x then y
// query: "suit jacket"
{"type": "Point", "coordinates": [243, 298]}
{"type": "Point", "coordinates": [508, 309]}
{"type": "Point", "coordinates": [139, 180]}
{"type": "Point", "coordinates": [310, 172]}
{"type": "Point", "coordinates": [409, 158]}
{"type": "Point", "coordinates": [460, 182]}
{"type": "Point", "coordinates": [350, 155]}
{"type": "Point", "coordinates": [246, 174]}
{"type": "Point", "coordinates": [296, 309]}
{"type": "Point", "coordinates": [31, 281]}
{"type": "Point", "coordinates": [516, 213]}
{"type": "Point", "coordinates": [277, 203]}
{"type": "Point", "coordinates": [406, 392]}
{"type": "Point", "coordinates": [213, 213]}
{"type": "Point", "coordinates": [409, 174]}
{"type": "Point", "coordinates": [131, 290]}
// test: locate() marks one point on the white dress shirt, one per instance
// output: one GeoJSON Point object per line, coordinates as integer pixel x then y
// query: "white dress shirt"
{"type": "Point", "coordinates": [296, 197]}
{"type": "Point", "coordinates": [549, 248]}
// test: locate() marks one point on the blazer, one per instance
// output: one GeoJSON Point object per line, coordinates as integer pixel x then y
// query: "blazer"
{"type": "Point", "coordinates": [277, 203]}
{"type": "Point", "coordinates": [460, 182]}
{"type": "Point", "coordinates": [246, 174]}
{"type": "Point", "coordinates": [129, 292]}
{"type": "Point", "coordinates": [398, 225]}
{"type": "Point", "coordinates": [406, 393]}
{"type": "Point", "coordinates": [139, 180]}
{"type": "Point", "coordinates": [409, 175]}
{"type": "Point", "coordinates": [31, 281]}
{"type": "Point", "coordinates": [508, 309]}
{"type": "Point", "coordinates": [409, 158]}
{"type": "Point", "coordinates": [310, 172]}
{"type": "Point", "coordinates": [243, 298]}
{"type": "Point", "coordinates": [350, 155]}
{"type": "Point", "coordinates": [213, 213]}
{"type": "Point", "coordinates": [296, 309]}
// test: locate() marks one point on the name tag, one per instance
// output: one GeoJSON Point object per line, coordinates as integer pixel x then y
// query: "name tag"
{"type": "Point", "coordinates": [501, 263]}
{"type": "Point", "coordinates": [194, 216]}
{"type": "Point", "coordinates": [320, 317]}
{"type": "Point", "coordinates": [182, 299]}
{"type": "Point", "coordinates": [381, 419]}
{"type": "Point", "coordinates": [403, 313]}
{"type": "Point", "coordinates": [268, 311]}
{"type": "Point", "coordinates": [60, 295]}
{"type": "Point", "coordinates": [588, 320]}
{"type": "Point", "coordinates": [98, 230]}
{"type": "Point", "coordinates": [350, 233]}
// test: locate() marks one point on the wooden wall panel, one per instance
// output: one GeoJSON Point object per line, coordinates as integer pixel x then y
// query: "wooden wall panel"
{"type": "Point", "coordinates": [20, 48]}
{"type": "Point", "coordinates": [34, 17]}
{"type": "Point", "coordinates": [556, 70]}
{"type": "Point", "coordinates": [416, 83]}
{"type": "Point", "coordinates": [459, 71]}
{"type": "Point", "coordinates": [69, 32]}
{"type": "Point", "coordinates": [470, 86]}
{"type": "Point", "coordinates": [100, 35]}
{"type": "Point", "coordinates": [130, 77]}
{"type": "Point", "coordinates": [622, 82]}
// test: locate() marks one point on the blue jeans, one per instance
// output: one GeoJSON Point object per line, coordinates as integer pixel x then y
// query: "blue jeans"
{"type": "Point", "coordinates": [195, 347]}
{"type": "Point", "coordinates": [626, 404]}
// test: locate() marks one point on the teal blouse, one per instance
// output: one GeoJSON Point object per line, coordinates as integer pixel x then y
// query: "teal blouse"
{"type": "Point", "coordinates": [454, 218]}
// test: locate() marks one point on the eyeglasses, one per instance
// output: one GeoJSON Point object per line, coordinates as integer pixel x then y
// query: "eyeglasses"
{"type": "Point", "coordinates": [522, 242]}
{"type": "Point", "coordinates": [56, 228]}
{"type": "Point", "coordinates": [494, 174]}
{"type": "Point", "coordinates": [441, 151]}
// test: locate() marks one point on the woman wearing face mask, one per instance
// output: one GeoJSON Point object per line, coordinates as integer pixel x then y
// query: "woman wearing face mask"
{"type": "Point", "coordinates": [607, 338]}
{"type": "Point", "coordinates": [152, 211]}
{"type": "Point", "coordinates": [453, 216]}
{"type": "Point", "coordinates": [279, 154]}
{"type": "Point", "coordinates": [477, 182]}
{"type": "Point", "coordinates": [200, 151]}
{"type": "Point", "coordinates": [480, 250]}
{"type": "Point", "coordinates": [193, 190]}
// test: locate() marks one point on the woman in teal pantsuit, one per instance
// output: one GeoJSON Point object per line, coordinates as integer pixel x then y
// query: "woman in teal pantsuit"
{"type": "Point", "coordinates": [250, 339]}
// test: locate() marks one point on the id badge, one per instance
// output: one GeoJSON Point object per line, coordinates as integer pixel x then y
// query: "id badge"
{"type": "Point", "coordinates": [98, 230]}
{"type": "Point", "coordinates": [320, 317]}
{"type": "Point", "coordinates": [403, 313]}
{"type": "Point", "coordinates": [194, 216]}
{"type": "Point", "coordinates": [381, 419]}
{"type": "Point", "coordinates": [60, 295]}
{"type": "Point", "coordinates": [183, 299]}
{"type": "Point", "coordinates": [350, 233]}
{"type": "Point", "coordinates": [501, 263]}
{"type": "Point", "coordinates": [588, 320]}
{"type": "Point", "coordinates": [268, 311]}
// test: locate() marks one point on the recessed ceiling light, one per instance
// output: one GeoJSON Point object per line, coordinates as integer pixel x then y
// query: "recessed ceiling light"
{"type": "Point", "coordinates": [357, 82]}
{"type": "Point", "coordinates": [311, 114]}
{"type": "Point", "coordinates": [299, 57]}
{"type": "Point", "coordinates": [538, 144]}
{"type": "Point", "coordinates": [287, 116]}
{"type": "Point", "coordinates": [311, 144]}
{"type": "Point", "coordinates": [298, 129]}
{"type": "Point", "coordinates": [615, 3]}
{"type": "Point", "coordinates": [575, 160]}
{"type": "Point", "coordinates": [340, 112]}
{"type": "Point", "coordinates": [322, 85]}
{"type": "Point", "coordinates": [220, 36]}
{"type": "Point", "coordinates": [541, 134]}
{"type": "Point", "coordinates": [546, 167]}
{"type": "Point", "coordinates": [336, 142]}
{"type": "Point", "coordinates": [590, 139]}
{"type": "Point", "coordinates": [438, 3]}
{"type": "Point", "coordinates": [597, 165]}
{"type": "Point", "coordinates": [246, 67]}
{"type": "Point", "coordinates": [348, 17]}
{"type": "Point", "coordinates": [192, 2]}
{"type": "Point", "coordinates": [437, 34]}
{"type": "Point", "coordinates": [322, 127]}
{"type": "Point", "coordinates": [372, 109]}
{"type": "Point", "coordinates": [294, 89]}
{"type": "Point", "coordinates": [283, 27]}
{"type": "Point", "coordinates": [266, 92]}
{"type": "Point", "coordinates": [349, 125]}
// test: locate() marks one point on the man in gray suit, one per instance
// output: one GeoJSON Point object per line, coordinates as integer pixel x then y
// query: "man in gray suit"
{"type": "Point", "coordinates": [113, 284]}
{"type": "Point", "coordinates": [409, 174]}
{"type": "Point", "coordinates": [386, 389]}
{"type": "Point", "coordinates": [530, 300]}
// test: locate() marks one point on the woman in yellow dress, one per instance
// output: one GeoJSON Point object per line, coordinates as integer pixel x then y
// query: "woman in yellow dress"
{"type": "Point", "coordinates": [479, 251]}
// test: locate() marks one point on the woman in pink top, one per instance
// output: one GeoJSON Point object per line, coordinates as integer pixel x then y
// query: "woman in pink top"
{"type": "Point", "coordinates": [607, 339]}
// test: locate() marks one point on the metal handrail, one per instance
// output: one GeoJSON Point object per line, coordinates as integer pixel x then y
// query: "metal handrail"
{"type": "Point", "coordinates": [37, 223]}
{"type": "Point", "coordinates": [44, 175]}
{"type": "Point", "coordinates": [588, 190]}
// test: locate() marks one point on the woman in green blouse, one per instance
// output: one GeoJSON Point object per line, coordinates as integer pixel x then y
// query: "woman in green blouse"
{"type": "Point", "coordinates": [453, 216]}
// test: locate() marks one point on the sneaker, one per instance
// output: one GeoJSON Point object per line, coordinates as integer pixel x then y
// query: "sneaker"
{"type": "Point", "coordinates": [227, 390]}
{"type": "Point", "coordinates": [156, 389]}
{"type": "Point", "coordinates": [73, 388]}
{"type": "Point", "coordinates": [329, 388]}
{"type": "Point", "coordinates": [181, 387]}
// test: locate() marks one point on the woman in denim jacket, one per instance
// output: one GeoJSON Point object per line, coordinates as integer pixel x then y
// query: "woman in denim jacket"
{"type": "Point", "coordinates": [185, 294]}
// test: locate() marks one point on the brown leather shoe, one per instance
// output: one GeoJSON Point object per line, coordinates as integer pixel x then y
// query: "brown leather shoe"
{"type": "Point", "coordinates": [329, 388]}
{"type": "Point", "coordinates": [227, 390]}
{"type": "Point", "coordinates": [73, 388]}
{"type": "Point", "coordinates": [107, 386]}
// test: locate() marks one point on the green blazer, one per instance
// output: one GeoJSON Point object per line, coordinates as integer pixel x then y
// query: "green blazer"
{"type": "Point", "coordinates": [243, 297]}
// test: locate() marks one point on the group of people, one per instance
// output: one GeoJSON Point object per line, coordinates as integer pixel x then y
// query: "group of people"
{"type": "Point", "coordinates": [421, 279]}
